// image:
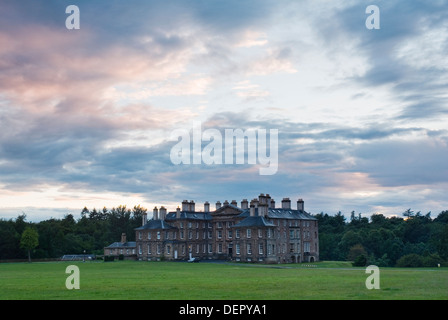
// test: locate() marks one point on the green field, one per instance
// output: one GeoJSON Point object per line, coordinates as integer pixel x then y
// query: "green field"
{"type": "Point", "coordinates": [211, 281]}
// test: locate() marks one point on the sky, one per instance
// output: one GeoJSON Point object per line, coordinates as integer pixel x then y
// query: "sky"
{"type": "Point", "coordinates": [87, 115]}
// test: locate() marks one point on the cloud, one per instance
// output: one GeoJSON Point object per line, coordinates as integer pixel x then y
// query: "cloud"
{"type": "Point", "coordinates": [359, 112]}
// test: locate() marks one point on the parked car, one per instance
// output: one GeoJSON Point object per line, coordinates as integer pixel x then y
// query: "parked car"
{"type": "Point", "coordinates": [193, 260]}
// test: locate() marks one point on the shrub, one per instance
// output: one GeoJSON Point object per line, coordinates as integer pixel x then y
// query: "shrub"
{"type": "Point", "coordinates": [121, 257]}
{"type": "Point", "coordinates": [360, 261]}
{"type": "Point", "coordinates": [432, 260]}
{"type": "Point", "coordinates": [410, 261]}
{"type": "Point", "coordinates": [108, 258]}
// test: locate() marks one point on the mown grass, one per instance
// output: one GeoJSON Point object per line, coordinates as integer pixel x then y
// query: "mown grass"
{"type": "Point", "coordinates": [208, 281]}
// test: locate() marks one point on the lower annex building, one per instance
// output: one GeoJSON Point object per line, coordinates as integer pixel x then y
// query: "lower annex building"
{"type": "Point", "coordinates": [252, 232]}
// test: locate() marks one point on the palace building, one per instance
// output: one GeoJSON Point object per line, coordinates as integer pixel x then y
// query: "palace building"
{"type": "Point", "coordinates": [252, 232]}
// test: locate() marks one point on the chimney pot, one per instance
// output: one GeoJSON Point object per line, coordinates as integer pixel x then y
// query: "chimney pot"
{"type": "Point", "coordinates": [300, 205]}
{"type": "Point", "coordinates": [286, 203]}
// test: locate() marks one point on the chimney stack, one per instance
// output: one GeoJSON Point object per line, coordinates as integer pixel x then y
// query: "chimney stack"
{"type": "Point", "coordinates": [234, 203]}
{"type": "Point", "coordinates": [253, 205]}
{"type": "Point", "coordinates": [144, 218]}
{"type": "Point", "coordinates": [286, 203]}
{"type": "Point", "coordinates": [162, 213]}
{"type": "Point", "coordinates": [244, 204]}
{"type": "Point", "coordinates": [206, 206]}
{"type": "Point", "coordinates": [123, 237]}
{"type": "Point", "coordinates": [155, 214]}
{"type": "Point", "coordinates": [300, 205]}
{"type": "Point", "coordinates": [192, 206]}
{"type": "Point", "coordinates": [252, 209]}
{"type": "Point", "coordinates": [218, 205]}
{"type": "Point", "coordinates": [272, 204]}
{"type": "Point", "coordinates": [263, 204]}
{"type": "Point", "coordinates": [178, 213]}
{"type": "Point", "coordinates": [185, 205]}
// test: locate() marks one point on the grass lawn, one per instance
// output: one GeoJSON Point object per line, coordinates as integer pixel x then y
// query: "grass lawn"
{"type": "Point", "coordinates": [212, 281]}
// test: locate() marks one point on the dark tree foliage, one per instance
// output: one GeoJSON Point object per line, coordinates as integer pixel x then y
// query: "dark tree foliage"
{"type": "Point", "coordinates": [92, 231]}
{"type": "Point", "coordinates": [415, 236]}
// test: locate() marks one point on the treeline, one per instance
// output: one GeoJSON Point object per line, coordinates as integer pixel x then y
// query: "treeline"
{"type": "Point", "coordinates": [93, 231]}
{"type": "Point", "coordinates": [409, 240]}
{"type": "Point", "coordinates": [412, 239]}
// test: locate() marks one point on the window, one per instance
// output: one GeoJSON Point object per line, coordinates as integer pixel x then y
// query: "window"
{"type": "Point", "coordinates": [219, 234]}
{"type": "Point", "coordinates": [291, 234]}
{"type": "Point", "coordinates": [139, 249]}
{"type": "Point", "coordinates": [139, 235]}
{"type": "Point", "coordinates": [260, 233]}
{"type": "Point", "coordinates": [249, 233]}
{"type": "Point", "coordinates": [237, 233]}
{"type": "Point", "coordinates": [149, 249]}
{"type": "Point", "coordinates": [181, 225]}
{"type": "Point", "coordinates": [181, 234]}
{"type": "Point", "coordinates": [260, 248]}
{"type": "Point", "coordinates": [219, 224]}
{"type": "Point", "coordinates": [168, 249]}
{"type": "Point", "coordinates": [158, 235]}
{"type": "Point", "coordinates": [230, 233]}
{"type": "Point", "coordinates": [149, 235]}
{"type": "Point", "coordinates": [210, 248]}
{"type": "Point", "coordinates": [158, 248]}
{"type": "Point", "coordinates": [306, 247]}
{"type": "Point", "coordinates": [269, 233]}
{"type": "Point", "coordinates": [249, 248]}
{"type": "Point", "coordinates": [197, 248]}
{"type": "Point", "coordinates": [190, 234]}
{"type": "Point", "coordinates": [237, 248]}
{"type": "Point", "coordinates": [219, 247]}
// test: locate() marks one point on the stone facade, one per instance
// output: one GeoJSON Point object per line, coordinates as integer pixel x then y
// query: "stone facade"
{"type": "Point", "coordinates": [255, 232]}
